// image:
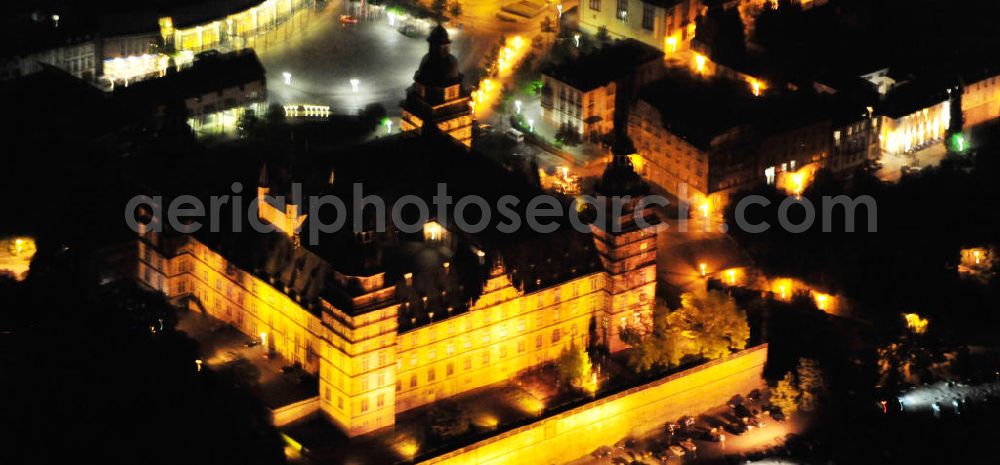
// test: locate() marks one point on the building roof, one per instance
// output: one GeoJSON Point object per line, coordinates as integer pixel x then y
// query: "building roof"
{"type": "Point", "coordinates": [605, 65]}
{"type": "Point", "coordinates": [195, 13]}
{"type": "Point", "coordinates": [52, 104]}
{"type": "Point", "coordinates": [913, 96]}
{"type": "Point", "coordinates": [332, 265]}
{"type": "Point", "coordinates": [698, 110]}
{"type": "Point", "coordinates": [210, 72]}
{"type": "Point", "coordinates": [438, 68]}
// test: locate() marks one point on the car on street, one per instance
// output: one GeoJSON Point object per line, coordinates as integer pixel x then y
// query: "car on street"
{"type": "Point", "coordinates": [777, 414]}
{"type": "Point", "coordinates": [677, 450]}
{"type": "Point", "coordinates": [348, 19]}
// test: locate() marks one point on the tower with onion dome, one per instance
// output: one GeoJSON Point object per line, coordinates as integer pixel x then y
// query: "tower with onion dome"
{"type": "Point", "coordinates": [437, 100]}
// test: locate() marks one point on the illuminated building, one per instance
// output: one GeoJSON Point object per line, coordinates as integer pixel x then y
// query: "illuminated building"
{"type": "Point", "coordinates": [667, 25]}
{"type": "Point", "coordinates": [582, 93]}
{"type": "Point", "coordinates": [981, 98]}
{"type": "Point", "coordinates": [221, 25]}
{"type": "Point", "coordinates": [694, 149]}
{"type": "Point", "coordinates": [215, 91]}
{"type": "Point", "coordinates": [437, 96]}
{"type": "Point", "coordinates": [392, 320]}
{"type": "Point", "coordinates": [914, 115]}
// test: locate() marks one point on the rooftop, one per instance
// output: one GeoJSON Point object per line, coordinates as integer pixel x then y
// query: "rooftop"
{"type": "Point", "coordinates": [329, 265]}
{"type": "Point", "coordinates": [605, 65]}
{"type": "Point", "coordinates": [210, 72]}
{"type": "Point", "coordinates": [690, 106]}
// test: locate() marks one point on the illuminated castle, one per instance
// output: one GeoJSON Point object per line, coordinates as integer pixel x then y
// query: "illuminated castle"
{"type": "Point", "coordinates": [392, 318]}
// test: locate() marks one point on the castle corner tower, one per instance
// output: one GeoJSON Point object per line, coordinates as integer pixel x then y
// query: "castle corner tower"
{"type": "Point", "coordinates": [627, 246]}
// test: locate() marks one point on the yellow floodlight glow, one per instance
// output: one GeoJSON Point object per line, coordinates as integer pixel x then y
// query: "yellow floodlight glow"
{"type": "Point", "coordinates": [699, 63]}
{"type": "Point", "coordinates": [915, 323]}
{"type": "Point", "coordinates": [671, 44]}
{"type": "Point", "coordinates": [703, 268]}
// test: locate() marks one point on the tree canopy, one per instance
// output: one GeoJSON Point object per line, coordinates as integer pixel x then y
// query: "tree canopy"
{"type": "Point", "coordinates": [708, 325]}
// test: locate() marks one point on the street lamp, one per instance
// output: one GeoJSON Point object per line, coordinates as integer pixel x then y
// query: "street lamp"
{"type": "Point", "coordinates": [531, 125]}
{"type": "Point", "coordinates": [517, 105]}
{"type": "Point", "coordinates": [388, 126]}
{"type": "Point", "coordinates": [355, 83]}
{"type": "Point", "coordinates": [287, 78]}
{"type": "Point", "coordinates": [559, 7]}
{"type": "Point", "coordinates": [576, 37]}
{"type": "Point", "coordinates": [263, 343]}
{"type": "Point", "coordinates": [703, 268]}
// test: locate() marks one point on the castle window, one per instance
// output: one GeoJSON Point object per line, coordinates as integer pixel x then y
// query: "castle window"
{"type": "Point", "coordinates": [538, 341]}
{"type": "Point", "coordinates": [486, 357]}
{"type": "Point", "coordinates": [364, 405]}
{"type": "Point", "coordinates": [326, 393]}
{"type": "Point", "coordinates": [380, 401]}
{"type": "Point", "coordinates": [555, 335]}
{"type": "Point", "coordinates": [399, 385]}
{"type": "Point", "coordinates": [468, 363]}
{"type": "Point", "coordinates": [648, 16]}
{"type": "Point", "coordinates": [413, 381]}
{"type": "Point", "coordinates": [430, 375]}
{"type": "Point", "coordinates": [595, 5]}
{"type": "Point", "coordinates": [340, 403]}
{"type": "Point", "coordinates": [450, 370]}
{"type": "Point", "coordinates": [520, 346]}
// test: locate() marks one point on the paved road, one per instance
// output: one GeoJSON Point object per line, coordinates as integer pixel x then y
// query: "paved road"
{"type": "Point", "coordinates": [324, 55]}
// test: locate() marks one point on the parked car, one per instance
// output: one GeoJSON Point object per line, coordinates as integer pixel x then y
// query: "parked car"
{"type": "Point", "coordinates": [348, 19]}
{"type": "Point", "coordinates": [741, 411]}
{"type": "Point", "coordinates": [754, 395]}
{"type": "Point", "coordinates": [713, 435]}
{"type": "Point", "coordinates": [602, 452]}
{"type": "Point", "coordinates": [677, 451]}
{"type": "Point", "coordinates": [777, 414]}
{"type": "Point", "coordinates": [686, 422]}
{"type": "Point", "coordinates": [753, 421]}
{"type": "Point", "coordinates": [689, 445]}
{"type": "Point", "coordinates": [736, 428]}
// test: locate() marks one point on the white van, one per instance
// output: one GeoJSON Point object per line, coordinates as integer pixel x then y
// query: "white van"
{"type": "Point", "coordinates": [515, 135]}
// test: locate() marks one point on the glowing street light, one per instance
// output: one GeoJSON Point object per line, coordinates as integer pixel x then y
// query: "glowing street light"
{"type": "Point", "coordinates": [531, 125]}
{"type": "Point", "coordinates": [388, 125]}
{"type": "Point", "coordinates": [699, 63]}
{"type": "Point", "coordinates": [392, 18]}
{"type": "Point", "coordinates": [263, 343]}
{"type": "Point", "coordinates": [198, 364]}
{"type": "Point", "coordinates": [576, 37]}
{"type": "Point", "coordinates": [517, 105]}
{"type": "Point", "coordinates": [355, 83]}
{"type": "Point", "coordinates": [559, 8]}
{"type": "Point", "coordinates": [732, 277]}
{"type": "Point", "coordinates": [703, 268]}
{"type": "Point", "coordinates": [287, 77]}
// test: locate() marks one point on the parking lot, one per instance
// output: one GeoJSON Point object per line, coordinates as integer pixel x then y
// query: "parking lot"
{"type": "Point", "coordinates": [712, 437]}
